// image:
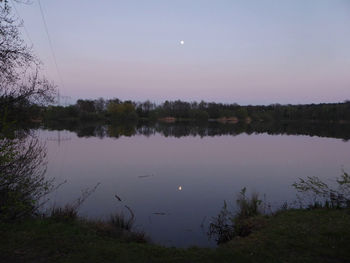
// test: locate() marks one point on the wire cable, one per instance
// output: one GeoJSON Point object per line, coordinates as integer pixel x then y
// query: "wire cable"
{"type": "Point", "coordinates": [26, 31]}
{"type": "Point", "coordinates": [50, 43]}
{"type": "Point", "coordinates": [24, 27]}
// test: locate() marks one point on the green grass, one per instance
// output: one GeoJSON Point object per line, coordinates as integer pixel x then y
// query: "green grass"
{"type": "Point", "coordinates": [321, 235]}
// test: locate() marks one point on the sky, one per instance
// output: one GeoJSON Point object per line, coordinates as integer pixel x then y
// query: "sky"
{"type": "Point", "coordinates": [242, 51]}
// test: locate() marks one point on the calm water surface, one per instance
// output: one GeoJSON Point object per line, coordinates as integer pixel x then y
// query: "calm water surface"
{"type": "Point", "coordinates": [176, 185]}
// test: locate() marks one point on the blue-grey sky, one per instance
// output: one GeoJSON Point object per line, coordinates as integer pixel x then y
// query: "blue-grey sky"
{"type": "Point", "coordinates": [247, 51]}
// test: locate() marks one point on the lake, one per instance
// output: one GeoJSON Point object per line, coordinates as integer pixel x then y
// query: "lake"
{"type": "Point", "coordinates": [175, 177]}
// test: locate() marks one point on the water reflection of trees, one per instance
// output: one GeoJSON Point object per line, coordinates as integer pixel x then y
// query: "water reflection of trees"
{"type": "Point", "coordinates": [182, 129]}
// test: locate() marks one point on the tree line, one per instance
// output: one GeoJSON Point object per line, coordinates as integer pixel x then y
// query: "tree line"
{"type": "Point", "coordinates": [115, 109]}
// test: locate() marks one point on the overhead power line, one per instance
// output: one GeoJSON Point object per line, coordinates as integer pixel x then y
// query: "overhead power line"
{"type": "Point", "coordinates": [24, 27]}
{"type": "Point", "coordinates": [50, 43]}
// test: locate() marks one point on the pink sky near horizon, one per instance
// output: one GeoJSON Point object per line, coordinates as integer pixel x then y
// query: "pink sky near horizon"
{"type": "Point", "coordinates": [249, 52]}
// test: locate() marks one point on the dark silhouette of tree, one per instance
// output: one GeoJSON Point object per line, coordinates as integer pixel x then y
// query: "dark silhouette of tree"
{"type": "Point", "coordinates": [20, 78]}
{"type": "Point", "coordinates": [22, 157]}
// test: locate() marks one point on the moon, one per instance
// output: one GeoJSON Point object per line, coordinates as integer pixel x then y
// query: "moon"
{"type": "Point", "coordinates": [182, 42]}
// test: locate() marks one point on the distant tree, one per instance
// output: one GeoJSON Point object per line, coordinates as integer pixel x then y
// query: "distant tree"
{"type": "Point", "coordinates": [86, 106]}
{"type": "Point", "coordinates": [201, 115]}
{"type": "Point", "coordinates": [100, 105]}
{"type": "Point", "coordinates": [122, 111]}
{"type": "Point", "coordinates": [241, 113]}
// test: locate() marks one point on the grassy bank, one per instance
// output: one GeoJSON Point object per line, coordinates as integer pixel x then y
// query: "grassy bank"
{"type": "Point", "coordinates": [319, 235]}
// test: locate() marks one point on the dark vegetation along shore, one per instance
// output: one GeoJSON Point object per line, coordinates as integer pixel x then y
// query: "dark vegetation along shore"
{"type": "Point", "coordinates": [314, 230]}
{"type": "Point", "coordinates": [170, 111]}
{"type": "Point", "coordinates": [319, 235]}
{"type": "Point", "coordinates": [317, 231]}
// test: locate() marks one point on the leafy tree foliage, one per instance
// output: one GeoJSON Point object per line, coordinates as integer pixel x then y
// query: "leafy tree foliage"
{"type": "Point", "coordinates": [124, 111]}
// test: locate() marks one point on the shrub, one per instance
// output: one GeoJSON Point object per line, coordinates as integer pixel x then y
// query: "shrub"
{"type": "Point", "coordinates": [227, 225]}
{"type": "Point", "coordinates": [248, 207]}
{"type": "Point", "coordinates": [222, 226]}
{"type": "Point", "coordinates": [70, 211]}
{"type": "Point", "coordinates": [66, 213]}
{"type": "Point", "coordinates": [319, 194]}
{"type": "Point", "coordinates": [22, 177]}
{"type": "Point", "coordinates": [119, 221]}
